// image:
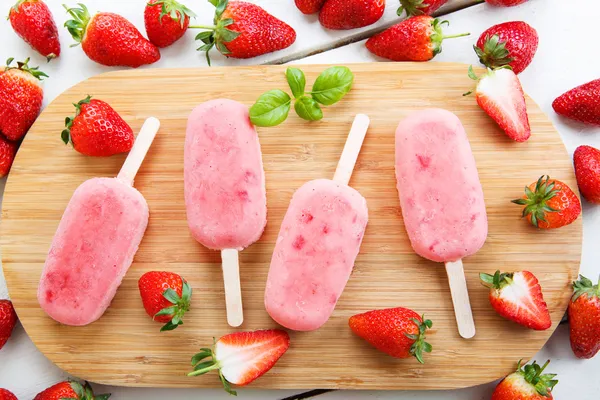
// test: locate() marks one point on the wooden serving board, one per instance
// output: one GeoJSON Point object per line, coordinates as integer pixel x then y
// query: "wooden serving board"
{"type": "Point", "coordinates": [126, 348]}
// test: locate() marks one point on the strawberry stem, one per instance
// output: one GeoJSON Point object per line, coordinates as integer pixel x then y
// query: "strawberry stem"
{"type": "Point", "coordinates": [211, 27]}
{"type": "Point", "coordinates": [205, 370]}
{"type": "Point", "coordinates": [456, 35]}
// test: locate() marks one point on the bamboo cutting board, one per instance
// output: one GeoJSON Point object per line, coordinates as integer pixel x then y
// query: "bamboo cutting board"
{"type": "Point", "coordinates": [126, 348]}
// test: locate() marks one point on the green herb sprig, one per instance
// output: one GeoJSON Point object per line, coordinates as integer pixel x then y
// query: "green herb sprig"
{"type": "Point", "coordinates": [273, 107]}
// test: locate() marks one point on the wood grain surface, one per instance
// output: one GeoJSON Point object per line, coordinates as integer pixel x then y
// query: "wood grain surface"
{"type": "Point", "coordinates": [126, 348]}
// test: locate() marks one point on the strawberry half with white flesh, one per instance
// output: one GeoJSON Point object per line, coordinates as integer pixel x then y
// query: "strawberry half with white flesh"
{"type": "Point", "coordinates": [242, 357]}
{"type": "Point", "coordinates": [499, 93]}
{"type": "Point", "coordinates": [518, 297]}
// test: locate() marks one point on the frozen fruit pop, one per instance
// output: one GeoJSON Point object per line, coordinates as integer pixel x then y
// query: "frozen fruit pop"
{"type": "Point", "coordinates": [441, 198]}
{"type": "Point", "coordinates": [95, 242]}
{"type": "Point", "coordinates": [224, 186]}
{"type": "Point", "coordinates": [318, 243]}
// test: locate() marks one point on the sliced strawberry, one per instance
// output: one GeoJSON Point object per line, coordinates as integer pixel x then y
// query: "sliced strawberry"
{"type": "Point", "coordinates": [518, 297]}
{"type": "Point", "coordinates": [242, 357]}
{"type": "Point", "coordinates": [500, 94]}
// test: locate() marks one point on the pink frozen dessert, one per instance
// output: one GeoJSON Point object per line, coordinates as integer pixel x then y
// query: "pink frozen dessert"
{"type": "Point", "coordinates": [224, 178]}
{"type": "Point", "coordinates": [314, 255]}
{"type": "Point", "coordinates": [440, 194]}
{"type": "Point", "coordinates": [97, 237]}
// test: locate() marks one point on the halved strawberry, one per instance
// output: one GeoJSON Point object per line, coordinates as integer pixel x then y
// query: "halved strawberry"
{"type": "Point", "coordinates": [518, 297]}
{"type": "Point", "coordinates": [242, 357]}
{"type": "Point", "coordinates": [500, 94]}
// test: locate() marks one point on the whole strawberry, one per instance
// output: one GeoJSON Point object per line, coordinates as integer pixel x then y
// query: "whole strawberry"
{"type": "Point", "coordinates": [581, 103]}
{"type": "Point", "coordinates": [527, 383]}
{"type": "Point", "coordinates": [518, 297]}
{"type": "Point", "coordinates": [414, 39]}
{"type": "Point", "coordinates": [505, 3]}
{"type": "Point", "coordinates": [587, 170]}
{"type": "Point", "coordinates": [8, 320]}
{"type": "Point", "coordinates": [351, 14]}
{"type": "Point", "coordinates": [511, 43]}
{"type": "Point", "coordinates": [310, 6]}
{"type": "Point", "coordinates": [7, 395]}
{"type": "Point", "coordinates": [584, 318]}
{"type": "Point", "coordinates": [399, 332]}
{"type": "Point", "coordinates": [242, 357]}
{"type": "Point", "coordinates": [21, 97]}
{"type": "Point", "coordinates": [97, 130]}
{"type": "Point", "coordinates": [166, 297]}
{"type": "Point", "coordinates": [420, 7]}
{"type": "Point", "coordinates": [166, 21]}
{"type": "Point", "coordinates": [245, 30]}
{"type": "Point", "coordinates": [109, 39]}
{"type": "Point", "coordinates": [549, 204]}
{"type": "Point", "coordinates": [33, 22]}
{"type": "Point", "coordinates": [70, 390]}
{"type": "Point", "coordinates": [499, 93]}
{"type": "Point", "coordinates": [8, 151]}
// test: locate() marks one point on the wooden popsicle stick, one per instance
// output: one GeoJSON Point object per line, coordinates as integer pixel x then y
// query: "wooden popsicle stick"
{"type": "Point", "coordinates": [460, 299]}
{"type": "Point", "coordinates": [136, 156]}
{"type": "Point", "coordinates": [233, 290]}
{"type": "Point", "coordinates": [351, 150]}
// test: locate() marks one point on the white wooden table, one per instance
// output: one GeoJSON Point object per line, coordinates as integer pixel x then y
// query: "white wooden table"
{"type": "Point", "coordinates": [566, 57]}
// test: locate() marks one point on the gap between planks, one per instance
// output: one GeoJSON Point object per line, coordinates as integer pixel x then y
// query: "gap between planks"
{"type": "Point", "coordinates": [446, 9]}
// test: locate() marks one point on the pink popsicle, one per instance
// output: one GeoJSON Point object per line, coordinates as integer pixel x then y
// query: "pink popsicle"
{"type": "Point", "coordinates": [92, 249]}
{"type": "Point", "coordinates": [318, 242]}
{"type": "Point", "coordinates": [440, 193]}
{"type": "Point", "coordinates": [224, 188]}
{"type": "Point", "coordinates": [441, 198]}
{"type": "Point", "coordinates": [96, 240]}
{"type": "Point", "coordinates": [224, 178]}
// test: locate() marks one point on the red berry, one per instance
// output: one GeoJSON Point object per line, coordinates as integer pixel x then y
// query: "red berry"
{"type": "Point", "coordinates": [351, 14]}
{"type": "Point", "coordinates": [581, 103]}
{"type": "Point", "coordinates": [166, 297]}
{"type": "Point", "coordinates": [8, 320]}
{"type": "Point", "coordinates": [166, 21]}
{"type": "Point", "coordinates": [33, 22]}
{"type": "Point", "coordinates": [310, 6]}
{"type": "Point", "coordinates": [8, 151]}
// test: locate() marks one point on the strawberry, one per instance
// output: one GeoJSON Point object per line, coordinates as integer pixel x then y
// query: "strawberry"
{"type": "Point", "coordinates": [499, 93]}
{"type": "Point", "coordinates": [587, 171]}
{"type": "Point", "coordinates": [584, 318]}
{"type": "Point", "coordinates": [399, 332]}
{"type": "Point", "coordinates": [33, 22]}
{"type": "Point", "coordinates": [527, 383]}
{"type": "Point", "coordinates": [517, 296]}
{"type": "Point", "coordinates": [511, 43]}
{"type": "Point", "coordinates": [414, 39]}
{"type": "Point", "coordinates": [549, 204]}
{"type": "Point", "coordinates": [166, 21]}
{"type": "Point", "coordinates": [97, 130]}
{"type": "Point", "coordinates": [8, 151]}
{"type": "Point", "coordinates": [310, 6]}
{"type": "Point", "coordinates": [505, 3]}
{"type": "Point", "coordinates": [8, 320]}
{"type": "Point", "coordinates": [581, 103]}
{"type": "Point", "coordinates": [109, 39]}
{"type": "Point", "coordinates": [70, 390]}
{"type": "Point", "coordinates": [244, 30]}
{"type": "Point", "coordinates": [7, 395]}
{"type": "Point", "coordinates": [21, 97]}
{"type": "Point", "coordinates": [420, 7]}
{"type": "Point", "coordinates": [166, 297]}
{"type": "Point", "coordinates": [242, 357]}
{"type": "Point", "coordinates": [351, 14]}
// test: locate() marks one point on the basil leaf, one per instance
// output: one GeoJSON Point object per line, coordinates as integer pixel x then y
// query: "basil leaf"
{"type": "Point", "coordinates": [307, 108]}
{"type": "Point", "coordinates": [332, 85]}
{"type": "Point", "coordinates": [271, 108]}
{"type": "Point", "coordinates": [296, 80]}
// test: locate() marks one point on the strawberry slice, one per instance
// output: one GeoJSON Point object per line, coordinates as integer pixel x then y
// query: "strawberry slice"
{"type": "Point", "coordinates": [242, 357]}
{"type": "Point", "coordinates": [500, 94]}
{"type": "Point", "coordinates": [518, 297]}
